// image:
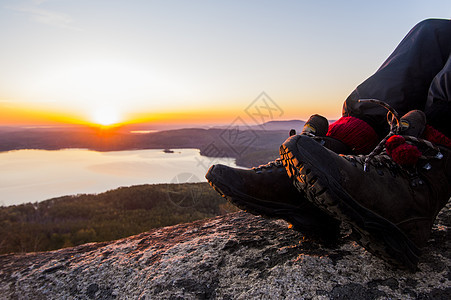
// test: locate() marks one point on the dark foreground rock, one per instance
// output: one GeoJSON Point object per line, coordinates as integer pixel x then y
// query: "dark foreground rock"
{"type": "Point", "coordinates": [237, 256]}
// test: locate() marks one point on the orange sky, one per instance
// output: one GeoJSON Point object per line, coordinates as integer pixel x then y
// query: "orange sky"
{"type": "Point", "coordinates": [56, 114]}
{"type": "Point", "coordinates": [196, 62]}
{"type": "Point", "coordinates": [33, 114]}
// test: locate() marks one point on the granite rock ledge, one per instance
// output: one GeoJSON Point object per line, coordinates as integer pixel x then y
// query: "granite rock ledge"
{"type": "Point", "coordinates": [236, 256]}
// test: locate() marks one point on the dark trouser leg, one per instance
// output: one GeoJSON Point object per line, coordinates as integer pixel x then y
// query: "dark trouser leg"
{"type": "Point", "coordinates": [404, 79]}
{"type": "Point", "coordinates": [438, 105]}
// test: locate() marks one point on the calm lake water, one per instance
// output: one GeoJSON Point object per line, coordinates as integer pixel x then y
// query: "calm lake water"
{"type": "Point", "coordinates": [36, 175]}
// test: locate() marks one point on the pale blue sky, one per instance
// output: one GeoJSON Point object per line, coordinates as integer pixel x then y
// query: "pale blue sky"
{"type": "Point", "coordinates": [159, 56]}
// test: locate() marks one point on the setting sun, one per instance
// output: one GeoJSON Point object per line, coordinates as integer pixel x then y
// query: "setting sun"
{"type": "Point", "coordinates": [106, 116]}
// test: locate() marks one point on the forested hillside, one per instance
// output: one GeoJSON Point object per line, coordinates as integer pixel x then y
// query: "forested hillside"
{"type": "Point", "coordinates": [74, 220]}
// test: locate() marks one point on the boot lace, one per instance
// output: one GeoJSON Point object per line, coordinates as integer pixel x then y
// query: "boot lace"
{"type": "Point", "coordinates": [275, 163]}
{"type": "Point", "coordinates": [379, 155]}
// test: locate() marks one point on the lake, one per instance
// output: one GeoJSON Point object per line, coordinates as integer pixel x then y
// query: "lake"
{"type": "Point", "coordinates": [36, 175]}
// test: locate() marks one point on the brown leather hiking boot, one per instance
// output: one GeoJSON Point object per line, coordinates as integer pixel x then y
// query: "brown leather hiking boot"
{"type": "Point", "coordinates": [390, 206]}
{"type": "Point", "coordinates": [267, 191]}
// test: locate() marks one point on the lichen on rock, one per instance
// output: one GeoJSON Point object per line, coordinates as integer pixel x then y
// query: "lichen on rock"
{"type": "Point", "coordinates": [236, 256]}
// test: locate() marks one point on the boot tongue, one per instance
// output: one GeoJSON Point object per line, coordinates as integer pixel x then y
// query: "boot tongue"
{"type": "Point", "coordinates": [316, 125]}
{"type": "Point", "coordinates": [413, 123]}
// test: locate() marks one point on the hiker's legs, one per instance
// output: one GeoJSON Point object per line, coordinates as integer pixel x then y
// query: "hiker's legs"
{"type": "Point", "coordinates": [404, 79]}
{"type": "Point", "coordinates": [438, 105]}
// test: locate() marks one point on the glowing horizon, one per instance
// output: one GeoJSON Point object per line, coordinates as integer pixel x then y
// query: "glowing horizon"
{"type": "Point", "coordinates": [27, 114]}
{"type": "Point", "coordinates": [77, 62]}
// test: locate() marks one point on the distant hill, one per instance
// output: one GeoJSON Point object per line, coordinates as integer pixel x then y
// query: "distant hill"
{"type": "Point", "coordinates": [270, 125]}
{"type": "Point", "coordinates": [282, 125]}
{"type": "Point", "coordinates": [277, 125]}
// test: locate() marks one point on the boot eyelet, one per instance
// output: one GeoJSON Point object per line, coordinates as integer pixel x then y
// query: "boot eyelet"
{"type": "Point", "coordinates": [427, 167]}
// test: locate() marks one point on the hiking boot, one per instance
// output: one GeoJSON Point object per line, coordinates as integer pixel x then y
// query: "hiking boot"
{"type": "Point", "coordinates": [390, 205]}
{"type": "Point", "coordinates": [268, 191]}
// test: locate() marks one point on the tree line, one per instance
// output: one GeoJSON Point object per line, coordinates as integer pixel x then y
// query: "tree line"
{"type": "Point", "coordinates": [73, 220]}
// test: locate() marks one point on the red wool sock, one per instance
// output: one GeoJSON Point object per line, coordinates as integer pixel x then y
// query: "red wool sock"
{"type": "Point", "coordinates": [436, 137]}
{"type": "Point", "coordinates": [354, 133]}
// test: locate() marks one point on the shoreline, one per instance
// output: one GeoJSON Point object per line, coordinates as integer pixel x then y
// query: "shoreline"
{"type": "Point", "coordinates": [248, 147]}
{"type": "Point", "coordinates": [38, 175]}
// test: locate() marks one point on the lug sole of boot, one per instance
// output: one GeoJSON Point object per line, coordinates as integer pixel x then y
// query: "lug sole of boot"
{"type": "Point", "coordinates": [327, 233]}
{"type": "Point", "coordinates": [375, 233]}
